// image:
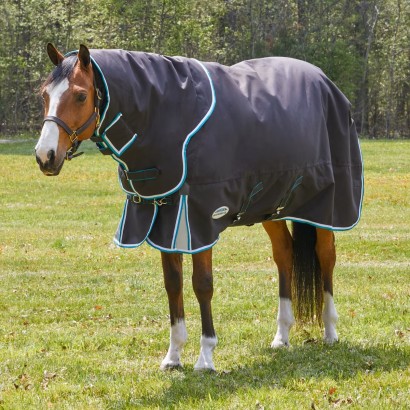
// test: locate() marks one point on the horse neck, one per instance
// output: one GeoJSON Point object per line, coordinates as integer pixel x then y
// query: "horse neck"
{"type": "Point", "coordinates": [139, 83]}
{"type": "Point", "coordinates": [141, 93]}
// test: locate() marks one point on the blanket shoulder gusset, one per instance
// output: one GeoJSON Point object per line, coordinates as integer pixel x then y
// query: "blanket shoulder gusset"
{"type": "Point", "coordinates": [155, 103]}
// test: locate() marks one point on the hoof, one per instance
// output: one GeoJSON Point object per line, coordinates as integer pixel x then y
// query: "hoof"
{"type": "Point", "coordinates": [279, 344]}
{"type": "Point", "coordinates": [168, 366]}
{"type": "Point", "coordinates": [204, 366]}
{"type": "Point", "coordinates": [209, 370]}
{"type": "Point", "coordinates": [330, 340]}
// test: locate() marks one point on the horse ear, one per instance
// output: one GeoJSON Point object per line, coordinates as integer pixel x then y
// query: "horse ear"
{"type": "Point", "coordinates": [55, 56]}
{"type": "Point", "coordinates": [84, 56]}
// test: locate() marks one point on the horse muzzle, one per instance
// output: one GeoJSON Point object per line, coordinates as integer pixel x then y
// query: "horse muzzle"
{"type": "Point", "coordinates": [50, 166]}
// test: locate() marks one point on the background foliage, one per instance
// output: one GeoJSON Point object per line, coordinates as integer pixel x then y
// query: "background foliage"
{"type": "Point", "coordinates": [362, 45]}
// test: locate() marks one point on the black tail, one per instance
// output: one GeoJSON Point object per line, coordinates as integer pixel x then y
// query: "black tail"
{"type": "Point", "coordinates": [307, 286]}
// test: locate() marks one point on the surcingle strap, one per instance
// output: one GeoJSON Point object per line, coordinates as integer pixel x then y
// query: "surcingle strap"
{"type": "Point", "coordinates": [103, 150]}
{"type": "Point", "coordinates": [256, 189]}
{"type": "Point", "coordinates": [286, 198]}
{"type": "Point", "coordinates": [96, 138]}
{"type": "Point", "coordinates": [142, 174]}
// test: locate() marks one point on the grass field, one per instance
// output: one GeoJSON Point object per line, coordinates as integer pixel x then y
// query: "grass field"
{"type": "Point", "coordinates": [84, 325]}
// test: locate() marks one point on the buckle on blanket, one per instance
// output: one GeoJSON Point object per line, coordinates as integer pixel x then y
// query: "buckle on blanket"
{"type": "Point", "coordinates": [136, 199]}
{"type": "Point", "coordinates": [256, 189]}
{"type": "Point", "coordinates": [287, 198]}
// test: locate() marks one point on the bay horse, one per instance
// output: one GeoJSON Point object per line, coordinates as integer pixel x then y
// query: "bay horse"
{"type": "Point", "coordinates": [201, 147]}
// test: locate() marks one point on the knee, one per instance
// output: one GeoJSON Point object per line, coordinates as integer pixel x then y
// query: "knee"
{"type": "Point", "coordinates": [203, 285]}
{"type": "Point", "coordinates": [173, 283]}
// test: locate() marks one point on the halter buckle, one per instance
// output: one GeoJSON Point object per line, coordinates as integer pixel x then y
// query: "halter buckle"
{"type": "Point", "coordinates": [97, 118]}
{"type": "Point", "coordinates": [73, 140]}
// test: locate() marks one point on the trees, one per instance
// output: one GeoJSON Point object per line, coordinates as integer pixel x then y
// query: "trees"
{"type": "Point", "coordinates": [389, 73]}
{"type": "Point", "coordinates": [362, 45]}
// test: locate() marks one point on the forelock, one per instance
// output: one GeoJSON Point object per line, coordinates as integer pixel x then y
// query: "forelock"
{"type": "Point", "coordinates": [61, 72]}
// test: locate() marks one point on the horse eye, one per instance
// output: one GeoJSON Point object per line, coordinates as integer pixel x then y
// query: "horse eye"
{"type": "Point", "coordinates": [81, 97]}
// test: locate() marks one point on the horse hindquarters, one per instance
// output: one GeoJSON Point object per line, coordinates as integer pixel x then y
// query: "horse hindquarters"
{"type": "Point", "coordinates": [305, 264]}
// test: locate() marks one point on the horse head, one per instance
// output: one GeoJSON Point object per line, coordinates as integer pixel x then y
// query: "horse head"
{"type": "Point", "coordinates": [71, 108]}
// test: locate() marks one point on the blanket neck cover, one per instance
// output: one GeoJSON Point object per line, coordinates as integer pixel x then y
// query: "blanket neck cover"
{"type": "Point", "coordinates": [202, 147]}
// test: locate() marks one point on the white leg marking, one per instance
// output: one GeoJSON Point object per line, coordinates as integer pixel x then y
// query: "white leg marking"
{"type": "Point", "coordinates": [49, 133]}
{"type": "Point", "coordinates": [205, 362]}
{"type": "Point", "coordinates": [285, 321]}
{"type": "Point", "coordinates": [178, 339]}
{"type": "Point", "coordinates": [329, 319]}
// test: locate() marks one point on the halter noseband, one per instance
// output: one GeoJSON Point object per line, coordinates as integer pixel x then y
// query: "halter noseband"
{"type": "Point", "coordinates": [74, 134]}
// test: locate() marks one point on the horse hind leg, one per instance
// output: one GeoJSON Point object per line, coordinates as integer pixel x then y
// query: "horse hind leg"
{"type": "Point", "coordinates": [202, 281]}
{"type": "Point", "coordinates": [282, 254]}
{"type": "Point", "coordinates": [326, 253]}
{"type": "Point", "coordinates": [172, 268]}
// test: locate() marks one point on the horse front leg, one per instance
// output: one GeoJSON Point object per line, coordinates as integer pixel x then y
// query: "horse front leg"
{"type": "Point", "coordinates": [172, 268]}
{"type": "Point", "coordinates": [282, 246]}
{"type": "Point", "coordinates": [326, 253]}
{"type": "Point", "coordinates": [202, 282]}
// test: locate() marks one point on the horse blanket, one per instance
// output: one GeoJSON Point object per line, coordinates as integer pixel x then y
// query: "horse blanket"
{"type": "Point", "coordinates": [203, 146]}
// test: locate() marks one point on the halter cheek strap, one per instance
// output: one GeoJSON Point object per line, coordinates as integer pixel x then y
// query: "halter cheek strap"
{"type": "Point", "coordinates": [74, 134]}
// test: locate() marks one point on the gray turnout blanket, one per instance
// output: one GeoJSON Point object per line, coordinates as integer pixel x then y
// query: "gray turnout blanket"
{"type": "Point", "coordinates": [202, 147]}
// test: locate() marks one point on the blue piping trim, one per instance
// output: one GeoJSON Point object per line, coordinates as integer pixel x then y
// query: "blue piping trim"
{"type": "Point", "coordinates": [108, 142]}
{"type": "Point", "coordinates": [362, 193]}
{"type": "Point", "coordinates": [189, 252]}
{"type": "Point", "coordinates": [187, 139]}
{"type": "Point", "coordinates": [107, 95]}
{"type": "Point", "coordinates": [122, 163]}
{"type": "Point", "coordinates": [187, 223]}
{"type": "Point", "coordinates": [124, 166]}
{"type": "Point", "coordinates": [315, 224]}
{"type": "Point", "coordinates": [123, 217]}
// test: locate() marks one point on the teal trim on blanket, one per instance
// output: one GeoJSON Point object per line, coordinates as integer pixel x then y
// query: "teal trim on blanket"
{"type": "Point", "coordinates": [110, 145]}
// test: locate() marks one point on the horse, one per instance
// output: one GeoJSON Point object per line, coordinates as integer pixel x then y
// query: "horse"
{"type": "Point", "coordinates": [201, 147]}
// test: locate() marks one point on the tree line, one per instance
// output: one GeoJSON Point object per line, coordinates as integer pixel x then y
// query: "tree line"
{"type": "Point", "coordinates": [362, 45]}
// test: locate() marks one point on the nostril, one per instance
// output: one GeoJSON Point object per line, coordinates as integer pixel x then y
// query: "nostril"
{"type": "Point", "coordinates": [51, 155]}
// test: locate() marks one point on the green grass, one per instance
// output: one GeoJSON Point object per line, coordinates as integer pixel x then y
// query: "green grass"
{"type": "Point", "coordinates": [84, 325]}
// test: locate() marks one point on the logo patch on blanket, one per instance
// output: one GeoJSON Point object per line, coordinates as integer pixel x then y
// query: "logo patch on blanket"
{"type": "Point", "coordinates": [220, 212]}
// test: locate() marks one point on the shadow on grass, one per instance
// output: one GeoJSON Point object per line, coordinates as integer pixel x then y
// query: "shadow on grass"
{"type": "Point", "coordinates": [276, 370]}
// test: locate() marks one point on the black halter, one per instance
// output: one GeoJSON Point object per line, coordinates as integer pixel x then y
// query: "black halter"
{"type": "Point", "coordinates": [74, 134]}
